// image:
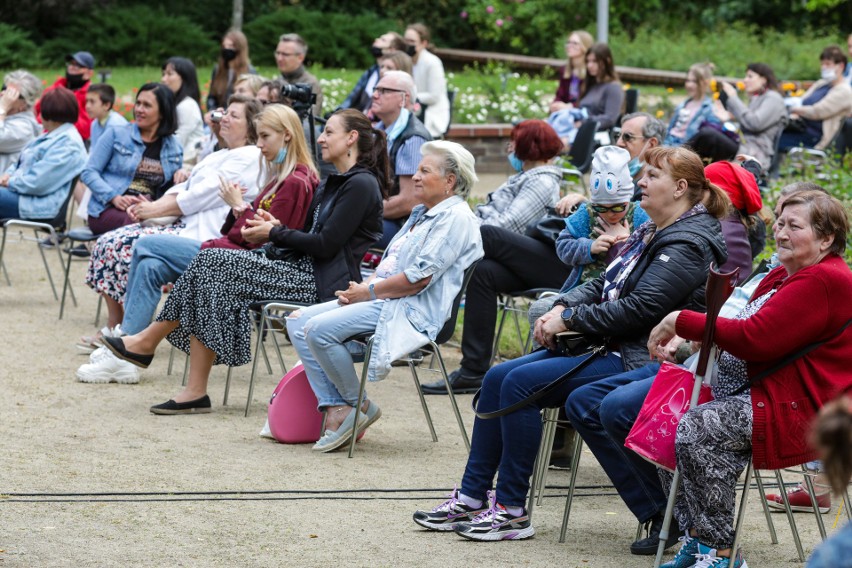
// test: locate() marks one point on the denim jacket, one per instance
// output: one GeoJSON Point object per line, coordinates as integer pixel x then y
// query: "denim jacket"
{"type": "Point", "coordinates": [704, 113]}
{"type": "Point", "coordinates": [44, 170]}
{"type": "Point", "coordinates": [443, 242]}
{"type": "Point", "coordinates": [113, 162]}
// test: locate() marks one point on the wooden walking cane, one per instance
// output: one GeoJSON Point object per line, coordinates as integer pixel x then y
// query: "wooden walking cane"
{"type": "Point", "coordinates": [718, 289]}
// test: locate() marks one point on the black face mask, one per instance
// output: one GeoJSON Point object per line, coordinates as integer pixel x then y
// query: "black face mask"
{"type": "Point", "coordinates": [74, 82]}
{"type": "Point", "coordinates": [376, 51]}
{"type": "Point", "coordinates": [410, 50]}
{"type": "Point", "coordinates": [229, 54]}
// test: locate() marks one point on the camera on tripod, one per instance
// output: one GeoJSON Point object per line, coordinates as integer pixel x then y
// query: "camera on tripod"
{"type": "Point", "coordinates": [298, 93]}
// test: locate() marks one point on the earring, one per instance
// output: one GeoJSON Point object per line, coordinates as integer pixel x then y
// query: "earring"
{"type": "Point", "coordinates": [349, 152]}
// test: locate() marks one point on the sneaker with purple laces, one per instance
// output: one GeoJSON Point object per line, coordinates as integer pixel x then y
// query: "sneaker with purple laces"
{"type": "Point", "coordinates": [445, 516]}
{"type": "Point", "coordinates": [706, 558]}
{"type": "Point", "coordinates": [686, 556]}
{"type": "Point", "coordinates": [496, 523]}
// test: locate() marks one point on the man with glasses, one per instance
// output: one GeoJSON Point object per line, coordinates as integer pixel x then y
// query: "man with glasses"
{"type": "Point", "coordinates": [79, 69]}
{"type": "Point", "coordinates": [393, 99]}
{"type": "Point", "coordinates": [290, 58]}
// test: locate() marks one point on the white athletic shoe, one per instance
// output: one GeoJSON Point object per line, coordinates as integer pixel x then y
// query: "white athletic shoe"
{"type": "Point", "coordinates": [104, 367]}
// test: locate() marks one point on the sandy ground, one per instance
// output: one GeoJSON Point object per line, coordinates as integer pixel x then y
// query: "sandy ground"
{"type": "Point", "coordinates": [91, 478]}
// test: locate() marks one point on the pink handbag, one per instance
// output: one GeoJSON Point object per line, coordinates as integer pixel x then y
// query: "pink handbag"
{"type": "Point", "coordinates": [653, 434]}
{"type": "Point", "coordinates": [293, 415]}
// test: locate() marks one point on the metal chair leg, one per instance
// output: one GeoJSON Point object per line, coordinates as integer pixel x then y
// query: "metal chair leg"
{"type": "Point", "coordinates": [437, 353]}
{"type": "Point", "coordinates": [361, 390]}
{"type": "Point", "coordinates": [171, 360]}
{"type": "Point", "coordinates": [257, 350]}
{"type": "Point", "coordinates": [47, 266]}
{"type": "Point", "coordinates": [847, 505]}
{"type": "Point", "coordinates": [534, 479]}
{"type": "Point", "coordinates": [185, 370]}
{"type": "Point", "coordinates": [575, 463]}
{"type": "Point", "coordinates": [809, 484]}
{"type": "Point", "coordinates": [423, 405]}
{"type": "Point", "coordinates": [766, 512]}
{"type": "Point", "coordinates": [741, 512]}
{"type": "Point", "coordinates": [66, 285]}
{"type": "Point", "coordinates": [551, 415]}
{"type": "Point", "coordinates": [495, 348]}
{"type": "Point", "coordinates": [227, 386]}
{"type": "Point", "coordinates": [5, 272]}
{"type": "Point", "coordinates": [790, 518]}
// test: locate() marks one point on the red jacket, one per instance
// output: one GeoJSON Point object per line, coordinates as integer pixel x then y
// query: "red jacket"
{"type": "Point", "coordinates": [811, 305]}
{"type": "Point", "coordinates": [84, 123]}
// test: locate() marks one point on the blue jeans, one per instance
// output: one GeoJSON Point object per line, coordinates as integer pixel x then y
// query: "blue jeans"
{"type": "Point", "coordinates": [9, 204]}
{"type": "Point", "coordinates": [795, 139]}
{"type": "Point", "coordinates": [318, 335]}
{"type": "Point", "coordinates": [509, 444]}
{"type": "Point", "coordinates": [602, 413]}
{"type": "Point", "coordinates": [157, 260]}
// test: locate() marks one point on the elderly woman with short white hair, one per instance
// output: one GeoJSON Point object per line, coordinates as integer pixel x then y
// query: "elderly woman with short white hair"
{"type": "Point", "coordinates": [18, 125]}
{"type": "Point", "coordinates": [405, 302]}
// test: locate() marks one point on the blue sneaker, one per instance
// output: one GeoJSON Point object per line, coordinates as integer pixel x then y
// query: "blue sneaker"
{"type": "Point", "coordinates": [706, 558]}
{"type": "Point", "coordinates": [685, 557]}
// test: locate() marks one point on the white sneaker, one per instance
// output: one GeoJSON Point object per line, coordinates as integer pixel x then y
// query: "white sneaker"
{"type": "Point", "coordinates": [107, 368]}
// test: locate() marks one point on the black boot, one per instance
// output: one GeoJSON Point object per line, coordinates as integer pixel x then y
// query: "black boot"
{"type": "Point", "coordinates": [648, 546]}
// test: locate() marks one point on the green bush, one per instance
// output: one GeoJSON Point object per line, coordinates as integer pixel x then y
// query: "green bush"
{"type": "Point", "coordinates": [17, 49]}
{"type": "Point", "coordinates": [135, 35]}
{"type": "Point", "coordinates": [334, 39]}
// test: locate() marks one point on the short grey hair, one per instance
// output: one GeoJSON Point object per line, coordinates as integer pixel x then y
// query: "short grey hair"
{"type": "Point", "coordinates": [297, 39]}
{"type": "Point", "coordinates": [28, 84]}
{"type": "Point", "coordinates": [654, 128]}
{"type": "Point", "coordinates": [457, 160]}
{"type": "Point", "coordinates": [405, 82]}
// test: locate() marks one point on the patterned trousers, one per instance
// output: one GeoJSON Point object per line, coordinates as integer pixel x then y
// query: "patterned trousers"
{"type": "Point", "coordinates": [713, 446]}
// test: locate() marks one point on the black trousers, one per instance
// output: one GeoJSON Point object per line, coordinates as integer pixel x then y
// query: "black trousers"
{"type": "Point", "coordinates": [512, 263]}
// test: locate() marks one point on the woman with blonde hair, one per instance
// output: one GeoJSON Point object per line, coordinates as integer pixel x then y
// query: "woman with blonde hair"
{"type": "Point", "coordinates": [248, 85]}
{"type": "Point", "coordinates": [233, 62]}
{"type": "Point", "coordinates": [572, 76]}
{"type": "Point", "coordinates": [691, 114]}
{"type": "Point", "coordinates": [395, 61]}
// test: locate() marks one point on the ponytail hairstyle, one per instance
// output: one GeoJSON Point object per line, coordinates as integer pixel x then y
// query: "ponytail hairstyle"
{"type": "Point", "coordinates": [682, 163]}
{"type": "Point", "coordinates": [372, 146]}
{"type": "Point", "coordinates": [832, 436]}
{"type": "Point", "coordinates": [281, 119]}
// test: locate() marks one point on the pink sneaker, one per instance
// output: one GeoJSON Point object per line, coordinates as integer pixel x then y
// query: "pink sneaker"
{"type": "Point", "coordinates": [800, 500]}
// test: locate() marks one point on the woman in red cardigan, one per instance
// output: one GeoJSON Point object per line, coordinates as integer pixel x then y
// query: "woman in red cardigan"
{"type": "Point", "coordinates": [805, 300]}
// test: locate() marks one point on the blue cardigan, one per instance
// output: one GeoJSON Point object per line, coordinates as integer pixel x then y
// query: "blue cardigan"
{"type": "Point", "coordinates": [704, 113]}
{"type": "Point", "coordinates": [44, 170]}
{"type": "Point", "coordinates": [113, 162]}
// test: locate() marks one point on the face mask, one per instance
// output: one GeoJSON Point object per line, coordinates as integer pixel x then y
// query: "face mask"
{"type": "Point", "coordinates": [74, 82]}
{"type": "Point", "coordinates": [516, 162]}
{"type": "Point", "coordinates": [376, 51]}
{"type": "Point", "coordinates": [410, 50]}
{"type": "Point", "coordinates": [282, 154]}
{"type": "Point", "coordinates": [635, 166]}
{"type": "Point", "coordinates": [229, 54]}
{"type": "Point", "coordinates": [828, 74]}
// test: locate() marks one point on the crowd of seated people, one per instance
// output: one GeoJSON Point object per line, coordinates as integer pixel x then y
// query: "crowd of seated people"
{"type": "Point", "coordinates": [230, 207]}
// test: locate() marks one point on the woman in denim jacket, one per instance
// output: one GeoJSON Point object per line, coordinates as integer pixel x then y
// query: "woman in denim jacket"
{"type": "Point", "coordinates": [405, 302]}
{"type": "Point", "coordinates": [36, 186]}
{"type": "Point", "coordinates": [689, 115]}
{"type": "Point", "coordinates": [134, 163]}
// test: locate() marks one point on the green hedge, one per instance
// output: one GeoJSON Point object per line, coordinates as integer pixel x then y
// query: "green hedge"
{"type": "Point", "coordinates": [334, 39]}
{"type": "Point", "coordinates": [17, 49]}
{"type": "Point", "coordinates": [136, 35]}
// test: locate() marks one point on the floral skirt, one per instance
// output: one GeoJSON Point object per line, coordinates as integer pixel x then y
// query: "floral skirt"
{"type": "Point", "coordinates": [109, 263]}
{"type": "Point", "coordinates": [211, 299]}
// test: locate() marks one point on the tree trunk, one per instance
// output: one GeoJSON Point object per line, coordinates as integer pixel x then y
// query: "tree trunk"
{"type": "Point", "coordinates": [237, 19]}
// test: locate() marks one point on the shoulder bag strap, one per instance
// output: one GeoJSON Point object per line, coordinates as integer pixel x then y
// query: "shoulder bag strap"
{"type": "Point", "coordinates": [789, 359]}
{"type": "Point", "coordinates": [544, 391]}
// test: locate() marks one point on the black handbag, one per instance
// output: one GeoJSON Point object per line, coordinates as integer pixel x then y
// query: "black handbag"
{"type": "Point", "coordinates": [546, 228]}
{"type": "Point", "coordinates": [285, 254]}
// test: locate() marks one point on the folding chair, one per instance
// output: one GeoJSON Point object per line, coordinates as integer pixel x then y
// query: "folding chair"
{"type": "Point", "coordinates": [40, 227]}
{"type": "Point", "coordinates": [581, 153]}
{"type": "Point", "coordinates": [507, 305]}
{"type": "Point", "coordinates": [719, 287]}
{"type": "Point", "coordinates": [443, 336]}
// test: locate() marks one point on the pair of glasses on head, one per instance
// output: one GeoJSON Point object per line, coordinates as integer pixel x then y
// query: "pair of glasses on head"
{"type": "Point", "coordinates": [621, 207]}
{"type": "Point", "coordinates": [382, 91]}
{"type": "Point", "coordinates": [628, 138]}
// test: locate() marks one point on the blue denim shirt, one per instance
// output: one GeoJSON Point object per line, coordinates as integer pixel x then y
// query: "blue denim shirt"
{"type": "Point", "coordinates": [704, 113]}
{"type": "Point", "coordinates": [443, 242]}
{"type": "Point", "coordinates": [44, 170]}
{"type": "Point", "coordinates": [113, 162]}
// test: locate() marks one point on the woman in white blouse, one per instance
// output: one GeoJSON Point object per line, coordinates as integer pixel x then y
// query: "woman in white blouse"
{"type": "Point", "coordinates": [180, 76]}
{"type": "Point", "coordinates": [430, 80]}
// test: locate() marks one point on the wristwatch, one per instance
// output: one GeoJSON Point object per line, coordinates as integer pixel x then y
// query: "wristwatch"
{"type": "Point", "coordinates": [372, 289]}
{"type": "Point", "coordinates": [568, 317]}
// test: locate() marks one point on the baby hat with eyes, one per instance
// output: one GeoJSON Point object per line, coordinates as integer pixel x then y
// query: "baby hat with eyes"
{"type": "Point", "coordinates": [611, 182]}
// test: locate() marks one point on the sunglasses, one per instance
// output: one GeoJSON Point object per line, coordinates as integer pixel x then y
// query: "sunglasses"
{"type": "Point", "coordinates": [628, 138]}
{"type": "Point", "coordinates": [611, 209]}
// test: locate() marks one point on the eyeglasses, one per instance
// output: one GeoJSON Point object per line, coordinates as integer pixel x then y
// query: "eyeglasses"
{"type": "Point", "coordinates": [284, 54]}
{"type": "Point", "coordinates": [628, 138]}
{"type": "Point", "coordinates": [611, 209]}
{"type": "Point", "coordinates": [382, 91]}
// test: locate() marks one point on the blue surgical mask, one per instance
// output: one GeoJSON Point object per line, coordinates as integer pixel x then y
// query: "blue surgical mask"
{"type": "Point", "coordinates": [516, 162]}
{"type": "Point", "coordinates": [635, 166]}
{"type": "Point", "coordinates": [282, 154]}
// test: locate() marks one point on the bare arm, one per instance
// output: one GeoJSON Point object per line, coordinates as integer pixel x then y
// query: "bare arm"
{"type": "Point", "coordinates": [397, 286]}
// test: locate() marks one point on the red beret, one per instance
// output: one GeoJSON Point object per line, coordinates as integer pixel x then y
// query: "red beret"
{"type": "Point", "coordinates": [738, 183]}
